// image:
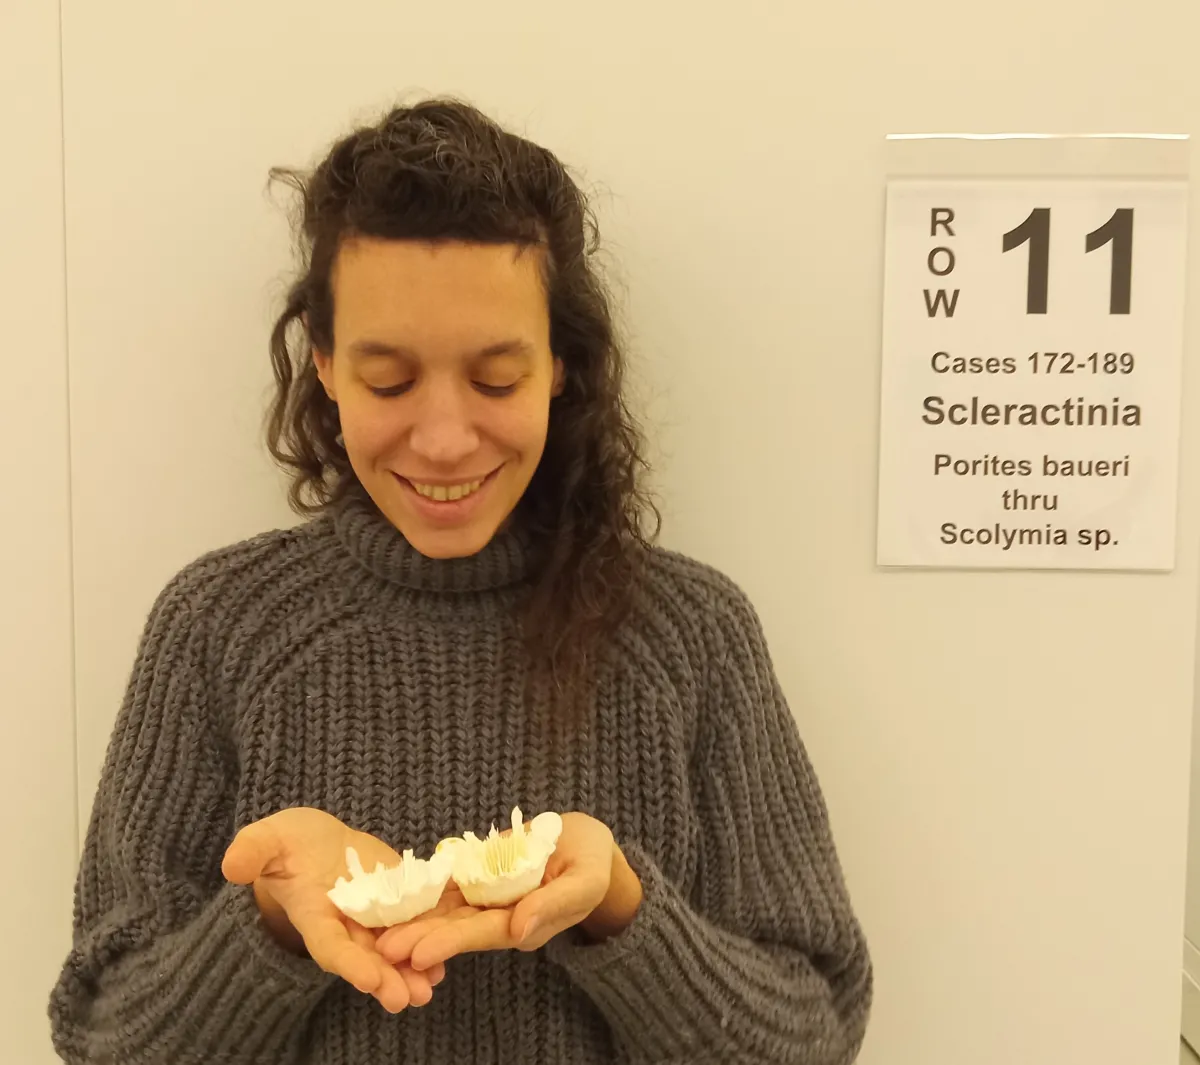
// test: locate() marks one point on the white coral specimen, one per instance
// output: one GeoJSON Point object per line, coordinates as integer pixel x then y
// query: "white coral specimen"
{"type": "Point", "coordinates": [392, 896]}
{"type": "Point", "coordinates": [502, 869]}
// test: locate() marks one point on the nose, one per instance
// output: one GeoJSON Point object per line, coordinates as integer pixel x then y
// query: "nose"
{"type": "Point", "coordinates": [442, 431]}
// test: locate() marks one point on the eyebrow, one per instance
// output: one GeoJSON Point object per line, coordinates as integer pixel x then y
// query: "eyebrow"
{"type": "Point", "coordinates": [382, 349]}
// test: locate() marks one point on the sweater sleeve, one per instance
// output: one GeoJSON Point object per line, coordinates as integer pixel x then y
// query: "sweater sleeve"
{"type": "Point", "coordinates": [170, 964]}
{"type": "Point", "coordinates": [763, 960]}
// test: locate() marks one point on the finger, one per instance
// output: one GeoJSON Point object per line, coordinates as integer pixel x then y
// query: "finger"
{"type": "Point", "coordinates": [560, 904]}
{"type": "Point", "coordinates": [251, 852]}
{"type": "Point", "coordinates": [364, 937]}
{"type": "Point", "coordinates": [396, 992]}
{"type": "Point", "coordinates": [486, 930]}
{"type": "Point", "coordinates": [436, 974]}
{"type": "Point", "coordinates": [329, 943]}
{"type": "Point", "coordinates": [396, 943]}
{"type": "Point", "coordinates": [451, 901]}
{"type": "Point", "coordinates": [393, 991]}
{"type": "Point", "coordinates": [420, 987]}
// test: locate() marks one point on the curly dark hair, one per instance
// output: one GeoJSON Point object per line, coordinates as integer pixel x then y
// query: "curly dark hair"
{"type": "Point", "coordinates": [442, 170]}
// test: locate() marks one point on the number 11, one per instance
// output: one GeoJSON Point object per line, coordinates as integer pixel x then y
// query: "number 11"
{"type": "Point", "coordinates": [1035, 231]}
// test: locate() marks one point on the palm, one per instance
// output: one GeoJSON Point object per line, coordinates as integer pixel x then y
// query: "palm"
{"type": "Point", "coordinates": [575, 881]}
{"type": "Point", "coordinates": [292, 859]}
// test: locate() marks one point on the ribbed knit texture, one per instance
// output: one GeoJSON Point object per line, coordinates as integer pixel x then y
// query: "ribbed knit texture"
{"type": "Point", "coordinates": [333, 666]}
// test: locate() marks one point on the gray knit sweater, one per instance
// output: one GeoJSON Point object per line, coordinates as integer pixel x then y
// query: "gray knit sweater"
{"type": "Point", "coordinates": [333, 666]}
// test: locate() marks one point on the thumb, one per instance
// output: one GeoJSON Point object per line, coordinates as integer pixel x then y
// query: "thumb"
{"type": "Point", "coordinates": [559, 904]}
{"type": "Point", "coordinates": [253, 849]}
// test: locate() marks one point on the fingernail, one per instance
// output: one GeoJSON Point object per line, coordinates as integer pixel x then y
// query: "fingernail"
{"type": "Point", "coordinates": [529, 930]}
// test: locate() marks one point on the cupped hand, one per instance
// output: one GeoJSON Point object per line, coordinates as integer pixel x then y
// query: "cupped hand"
{"type": "Point", "coordinates": [292, 859]}
{"type": "Point", "coordinates": [576, 883]}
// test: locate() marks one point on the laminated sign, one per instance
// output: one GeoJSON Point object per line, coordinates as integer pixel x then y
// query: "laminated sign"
{"type": "Point", "coordinates": [1032, 352]}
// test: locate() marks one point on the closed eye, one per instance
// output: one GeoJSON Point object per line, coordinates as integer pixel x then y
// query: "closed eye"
{"type": "Point", "coordinates": [392, 390]}
{"type": "Point", "coordinates": [494, 390]}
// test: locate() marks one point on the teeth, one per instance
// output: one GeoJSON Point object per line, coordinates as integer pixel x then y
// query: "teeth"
{"type": "Point", "coordinates": [439, 493]}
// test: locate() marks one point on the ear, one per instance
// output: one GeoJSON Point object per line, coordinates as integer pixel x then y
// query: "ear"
{"type": "Point", "coordinates": [324, 365]}
{"type": "Point", "coordinates": [560, 378]}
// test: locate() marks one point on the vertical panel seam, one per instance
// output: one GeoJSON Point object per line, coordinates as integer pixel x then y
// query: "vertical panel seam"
{"type": "Point", "coordinates": [72, 632]}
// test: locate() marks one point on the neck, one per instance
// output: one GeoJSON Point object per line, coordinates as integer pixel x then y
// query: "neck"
{"type": "Point", "coordinates": [380, 547]}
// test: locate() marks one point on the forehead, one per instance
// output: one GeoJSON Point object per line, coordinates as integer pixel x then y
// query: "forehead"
{"type": "Point", "coordinates": [416, 291]}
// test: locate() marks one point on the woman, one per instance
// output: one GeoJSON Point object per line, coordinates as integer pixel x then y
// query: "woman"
{"type": "Point", "coordinates": [473, 619]}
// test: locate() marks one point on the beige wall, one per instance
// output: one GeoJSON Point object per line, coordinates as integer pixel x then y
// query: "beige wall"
{"type": "Point", "coordinates": [37, 742]}
{"type": "Point", "coordinates": [1005, 755]}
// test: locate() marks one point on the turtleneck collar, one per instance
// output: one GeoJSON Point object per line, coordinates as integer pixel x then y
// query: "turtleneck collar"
{"type": "Point", "coordinates": [379, 546]}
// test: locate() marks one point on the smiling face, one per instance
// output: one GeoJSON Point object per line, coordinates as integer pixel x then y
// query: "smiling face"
{"type": "Point", "coordinates": [443, 375]}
